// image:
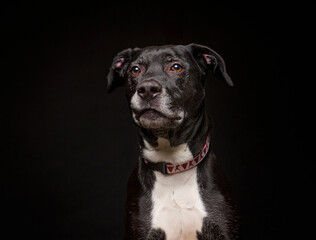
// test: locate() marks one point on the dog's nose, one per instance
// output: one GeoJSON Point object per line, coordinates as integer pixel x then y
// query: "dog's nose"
{"type": "Point", "coordinates": [149, 89]}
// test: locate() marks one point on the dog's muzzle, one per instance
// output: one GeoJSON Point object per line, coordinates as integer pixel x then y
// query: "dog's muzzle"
{"type": "Point", "coordinates": [152, 107]}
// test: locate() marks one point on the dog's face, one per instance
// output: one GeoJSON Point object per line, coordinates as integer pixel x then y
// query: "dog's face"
{"type": "Point", "coordinates": [165, 85]}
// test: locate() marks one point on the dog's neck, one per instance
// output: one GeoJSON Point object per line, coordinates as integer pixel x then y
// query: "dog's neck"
{"type": "Point", "coordinates": [185, 141]}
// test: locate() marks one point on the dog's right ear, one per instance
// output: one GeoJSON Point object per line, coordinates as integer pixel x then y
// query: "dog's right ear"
{"type": "Point", "coordinates": [117, 69]}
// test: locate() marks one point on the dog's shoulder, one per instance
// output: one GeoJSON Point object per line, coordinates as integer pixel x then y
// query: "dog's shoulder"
{"type": "Point", "coordinates": [216, 191]}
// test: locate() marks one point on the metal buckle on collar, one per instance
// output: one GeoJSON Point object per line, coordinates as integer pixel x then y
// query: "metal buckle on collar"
{"type": "Point", "coordinates": [159, 166]}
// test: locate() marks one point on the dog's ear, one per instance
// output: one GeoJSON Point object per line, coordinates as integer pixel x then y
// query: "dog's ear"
{"type": "Point", "coordinates": [117, 69]}
{"type": "Point", "coordinates": [209, 60]}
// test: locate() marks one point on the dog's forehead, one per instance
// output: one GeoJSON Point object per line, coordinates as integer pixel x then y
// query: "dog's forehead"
{"type": "Point", "coordinates": [162, 53]}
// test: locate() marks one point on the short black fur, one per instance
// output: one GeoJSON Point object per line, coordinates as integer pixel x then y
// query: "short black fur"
{"type": "Point", "coordinates": [187, 92]}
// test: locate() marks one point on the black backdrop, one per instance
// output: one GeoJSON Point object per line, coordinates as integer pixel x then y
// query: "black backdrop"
{"type": "Point", "coordinates": [70, 146]}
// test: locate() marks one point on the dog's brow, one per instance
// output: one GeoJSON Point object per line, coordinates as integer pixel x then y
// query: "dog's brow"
{"type": "Point", "coordinates": [168, 58]}
{"type": "Point", "coordinates": [141, 60]}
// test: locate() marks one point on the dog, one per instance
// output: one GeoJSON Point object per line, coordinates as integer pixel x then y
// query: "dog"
{"type": "Point", "coordinates": [177, 190]}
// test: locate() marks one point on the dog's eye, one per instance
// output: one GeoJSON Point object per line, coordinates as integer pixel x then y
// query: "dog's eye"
{"type": "Point", "coordinates": [135, 70]}
{"type": "Point", "coordinates": [176, 68]}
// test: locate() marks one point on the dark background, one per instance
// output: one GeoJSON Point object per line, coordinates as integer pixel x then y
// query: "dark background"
{"type": "Point", "coordinates": [70, 147]}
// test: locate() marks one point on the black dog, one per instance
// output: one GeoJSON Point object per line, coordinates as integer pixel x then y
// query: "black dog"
{"type": "Point", "coordinates": [177, 191]}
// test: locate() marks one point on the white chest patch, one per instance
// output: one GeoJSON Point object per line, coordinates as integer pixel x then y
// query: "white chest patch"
{"type": "Point", "coordinates": [177, 205]}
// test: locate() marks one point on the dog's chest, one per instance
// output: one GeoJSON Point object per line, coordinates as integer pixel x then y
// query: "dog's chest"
{"type": "Point", "coordinates": [177, 206]}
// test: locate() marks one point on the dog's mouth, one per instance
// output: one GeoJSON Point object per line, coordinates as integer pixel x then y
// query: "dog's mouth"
{"type": "Point", "coordinates": [153, 119]}
{"type": "Point", "coordinates": [153, 114]}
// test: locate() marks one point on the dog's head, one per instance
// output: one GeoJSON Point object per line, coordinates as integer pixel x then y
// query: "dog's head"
{"type": "Point", "coordinates": [165, 85]}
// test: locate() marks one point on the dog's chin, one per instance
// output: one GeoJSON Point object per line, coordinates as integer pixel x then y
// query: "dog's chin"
{"type": "Point", "coordinates": [152, 119]}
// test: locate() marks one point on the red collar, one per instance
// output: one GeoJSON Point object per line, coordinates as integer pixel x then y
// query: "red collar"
{"type": "Point", "coordinates": [168, 168]}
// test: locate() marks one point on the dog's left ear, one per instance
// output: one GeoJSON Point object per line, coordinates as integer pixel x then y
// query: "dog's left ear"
{"type": "Point", "coordinates": [209, 60]}
{"type": "Point", "coordinates": [117, 69]}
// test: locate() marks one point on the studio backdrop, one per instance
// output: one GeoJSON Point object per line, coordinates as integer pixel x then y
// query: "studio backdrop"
{"type": "Point", "coordinates": [70, 147]}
